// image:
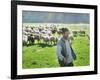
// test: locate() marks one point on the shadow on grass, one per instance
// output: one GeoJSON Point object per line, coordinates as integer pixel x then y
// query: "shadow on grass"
{"type": "Point", "coordinates": [41, 45]}
{"type": "Point", "coordinates": [44, 45]}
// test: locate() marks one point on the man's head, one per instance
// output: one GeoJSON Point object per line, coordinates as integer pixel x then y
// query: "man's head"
{"type": "Point", "coordinates": [65, 33]}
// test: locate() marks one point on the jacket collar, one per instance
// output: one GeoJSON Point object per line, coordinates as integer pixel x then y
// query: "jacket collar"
{"type": "Point", "coordinates": [62, 39]}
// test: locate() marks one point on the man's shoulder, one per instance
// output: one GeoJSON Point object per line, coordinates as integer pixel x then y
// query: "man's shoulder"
{"type": "Point", "coordinates": [60, 41]}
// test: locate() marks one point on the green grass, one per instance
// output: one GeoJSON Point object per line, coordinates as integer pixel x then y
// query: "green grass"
{"type": "Point", "coordinates": [44, 56]}
{"type": "Point", "coordinates": [39, 57]}
{"type": "Point", "coordinates": [82, 50]}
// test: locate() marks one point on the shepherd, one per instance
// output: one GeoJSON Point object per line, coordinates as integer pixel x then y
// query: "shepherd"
{"type": "Point", "coordinates": [65, 53]}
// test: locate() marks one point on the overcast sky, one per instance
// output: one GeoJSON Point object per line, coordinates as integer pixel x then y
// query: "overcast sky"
{"type": "Point", "coordinates": [54, 17]}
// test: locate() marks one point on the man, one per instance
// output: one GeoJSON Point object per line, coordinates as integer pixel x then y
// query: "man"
{"type": "Point", "coordinates": [65, 52]}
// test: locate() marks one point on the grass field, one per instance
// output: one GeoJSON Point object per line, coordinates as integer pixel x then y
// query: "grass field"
{"type": "Point", "coordinates": [44, 56]}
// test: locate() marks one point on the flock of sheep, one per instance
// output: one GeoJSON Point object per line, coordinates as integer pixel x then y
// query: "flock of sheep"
{"type": "Point", "coordinates": [46, 35]}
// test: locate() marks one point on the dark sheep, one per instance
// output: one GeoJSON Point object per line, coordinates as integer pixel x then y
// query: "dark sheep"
{"type": "Point", "coordinates": [82, 33]}
{"type": "Point", "coordinates": [31, 39]}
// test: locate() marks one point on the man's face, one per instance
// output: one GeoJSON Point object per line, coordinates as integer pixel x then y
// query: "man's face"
{"type": "Point", "coordinates": [66, 34]}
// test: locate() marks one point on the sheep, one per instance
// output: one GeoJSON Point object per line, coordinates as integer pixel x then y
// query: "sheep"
{"type": "Point", "coordinates": [37, 37]}
{"type": "Point", "coordinates": [45, 39]}
{"type": "Point", "coordinates": [25, 40]}
{"type": "Point", "coordinates": [31, 39]}
{"type": "Point", "coordinates": [82, 33]}
{"type": "Point", "coordinates": [71, 38]}
{"type": "Point", "coordinates": [75, 33]}
{"type": "Point", "coordinates": [53, 39]}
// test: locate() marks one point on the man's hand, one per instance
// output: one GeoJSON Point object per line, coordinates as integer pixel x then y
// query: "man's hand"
{"type": "Point", "coordinates": [65, 60]}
